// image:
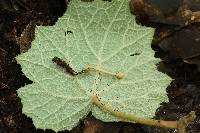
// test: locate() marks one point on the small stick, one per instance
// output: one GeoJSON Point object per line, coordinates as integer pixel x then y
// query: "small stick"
{"type": "Point", "coordinates": [184, 121]}
{"type": "Point", "coordinates": [180, 124]}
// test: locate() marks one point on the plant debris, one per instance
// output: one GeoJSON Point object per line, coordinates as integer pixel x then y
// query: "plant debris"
{"type": "Point", "coordinates": [183, 93]}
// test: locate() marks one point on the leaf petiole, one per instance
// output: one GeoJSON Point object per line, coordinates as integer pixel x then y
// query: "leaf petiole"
{"type": "Point", "coordinates": [180, 124]}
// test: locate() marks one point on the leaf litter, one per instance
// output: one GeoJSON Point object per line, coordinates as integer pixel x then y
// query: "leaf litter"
{"type": "Point", "coordinates": [190, 77]}
{"type": "Point", "coordinates": [180, 19]}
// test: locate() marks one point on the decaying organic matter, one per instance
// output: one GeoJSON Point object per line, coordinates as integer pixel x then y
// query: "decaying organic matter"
{"type": "Point", "coordinates": [183, 93]}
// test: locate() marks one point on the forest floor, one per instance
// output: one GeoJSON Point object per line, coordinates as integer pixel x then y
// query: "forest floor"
{"type": "Point", "coordinates": [173, 42]}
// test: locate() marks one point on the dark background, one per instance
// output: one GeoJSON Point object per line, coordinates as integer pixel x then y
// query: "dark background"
{"type": "Point", "coordinates": [175, 42]}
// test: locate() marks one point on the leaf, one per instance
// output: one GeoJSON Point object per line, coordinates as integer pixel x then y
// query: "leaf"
{"type": "Point", "coordinates": [101, 34]}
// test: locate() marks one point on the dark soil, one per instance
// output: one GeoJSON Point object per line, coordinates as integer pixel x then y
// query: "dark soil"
{"type": "Point", "coordinates": [15, 15]}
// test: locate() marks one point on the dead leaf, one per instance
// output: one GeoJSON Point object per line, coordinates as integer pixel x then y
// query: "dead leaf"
{"type": "Point", "coordinates": [93, 125]}
{"type": "Point", "coordinates": [176, 12]}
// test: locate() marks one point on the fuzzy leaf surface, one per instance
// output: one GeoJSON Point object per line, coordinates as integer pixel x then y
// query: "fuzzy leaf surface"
{"type": "Point", "coordinates": [101, 34]}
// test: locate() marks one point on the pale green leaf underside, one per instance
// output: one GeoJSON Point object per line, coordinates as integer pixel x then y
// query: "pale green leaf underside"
{"type": "Point", "coordinates": [105, 34]}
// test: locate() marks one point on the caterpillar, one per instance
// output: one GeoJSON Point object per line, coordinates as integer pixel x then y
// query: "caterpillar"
{"type": "Point", "coordinates": [64, 65]}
